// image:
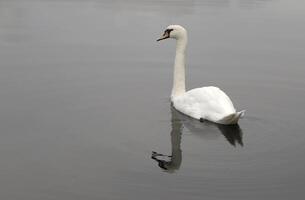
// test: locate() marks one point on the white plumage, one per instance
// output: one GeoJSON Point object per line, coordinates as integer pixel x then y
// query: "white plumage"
{"type": "Point", "coordinates": [206, 103]}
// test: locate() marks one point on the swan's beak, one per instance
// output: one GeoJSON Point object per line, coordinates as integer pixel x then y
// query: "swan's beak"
{"type": "Point", "coordinates": [164, 36]}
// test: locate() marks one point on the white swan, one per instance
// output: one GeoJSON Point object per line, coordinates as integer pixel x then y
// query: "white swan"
{"type": "Point", "coordinates": [206, 103]}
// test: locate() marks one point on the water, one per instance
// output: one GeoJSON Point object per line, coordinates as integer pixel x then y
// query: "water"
{"type": "Point", "coordinates": [85, 100]}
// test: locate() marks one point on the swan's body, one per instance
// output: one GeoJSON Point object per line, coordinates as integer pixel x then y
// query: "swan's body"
{"type": "Point", "coordinates": [209, 103]}
{"type": "Point", "coordinates": [206, 103]}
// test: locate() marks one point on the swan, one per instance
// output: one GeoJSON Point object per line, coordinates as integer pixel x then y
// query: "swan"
{"type": "Point", "coordinates": [205, 103]}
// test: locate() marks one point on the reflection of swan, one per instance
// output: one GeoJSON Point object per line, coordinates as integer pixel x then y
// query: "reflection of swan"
{"type": "Point", "coordinates": [208, 130]}
{"type": "Point", "coordinates": [175, 158]}
{"type": "Point", "coordinates": [232, 133]}
{"type": "Point", "coordinates": [208, 103]}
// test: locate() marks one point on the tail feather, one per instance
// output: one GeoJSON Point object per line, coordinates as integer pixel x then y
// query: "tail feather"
{"type": "Point", "coordinates": [232, 118]}
{"type": "Point", "coordinates": [242, 113]}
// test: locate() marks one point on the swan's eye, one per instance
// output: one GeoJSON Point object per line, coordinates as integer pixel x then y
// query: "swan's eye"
{"type": "Point", "coordinates": [167, 32]}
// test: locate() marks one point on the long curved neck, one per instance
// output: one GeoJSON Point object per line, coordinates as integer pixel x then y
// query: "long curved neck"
{"type": "Point", "coordinates": [179, 68]}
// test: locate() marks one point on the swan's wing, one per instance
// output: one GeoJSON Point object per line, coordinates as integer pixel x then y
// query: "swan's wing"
{"type": "Point", "coordinates": [209, 103]}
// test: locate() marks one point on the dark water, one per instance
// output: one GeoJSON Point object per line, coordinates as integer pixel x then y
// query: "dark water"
{"type": "Point", "coordinates": [85, 100]}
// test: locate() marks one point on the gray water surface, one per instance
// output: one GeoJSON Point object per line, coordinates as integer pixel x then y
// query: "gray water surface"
{"type": "Point", "coordinates": [85, 88]}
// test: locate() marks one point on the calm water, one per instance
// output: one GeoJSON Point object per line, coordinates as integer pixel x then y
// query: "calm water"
{"type": "Point", "coordinates": [85, 100]}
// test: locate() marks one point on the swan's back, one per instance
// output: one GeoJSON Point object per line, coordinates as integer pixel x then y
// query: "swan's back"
{"type": "Point", "coordinates": [208, 103]}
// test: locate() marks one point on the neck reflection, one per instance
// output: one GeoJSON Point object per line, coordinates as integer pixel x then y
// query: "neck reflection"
{"type": "Point", "coordinates": [207, 130]}
{"type": "Point", "coordinates": [172, 162]}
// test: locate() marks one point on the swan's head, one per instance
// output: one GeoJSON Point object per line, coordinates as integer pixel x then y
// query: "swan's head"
{"type": "Point", "coordinates": [173, 31]}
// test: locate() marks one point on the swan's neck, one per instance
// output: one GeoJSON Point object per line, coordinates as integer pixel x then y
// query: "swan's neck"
{"type": "Point", "coordinates": [179, 68]}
